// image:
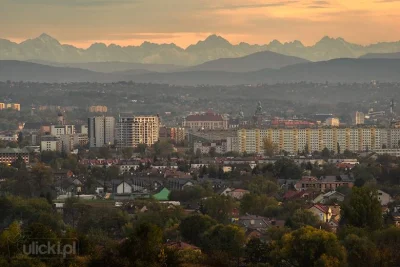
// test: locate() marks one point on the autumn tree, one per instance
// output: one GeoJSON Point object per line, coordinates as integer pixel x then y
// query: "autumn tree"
{"type": "Point", "coordinates": [270, 149]}
{"type": "Point", "coordinates": [308, 246]}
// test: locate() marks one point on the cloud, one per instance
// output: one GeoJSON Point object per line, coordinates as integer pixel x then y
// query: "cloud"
{"type": "Point", "coordinates": [316, 7]}
{"type": "Point", "coordinates": [74, 3]}
{"type": "Point", "coordinates": [321, 3]}
{"type": "Point", "coordinates": [272, 4]}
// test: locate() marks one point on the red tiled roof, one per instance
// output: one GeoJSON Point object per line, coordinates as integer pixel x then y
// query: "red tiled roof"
{"type": "Point", "coordinates": [181, 245]}
{"type": "Point", "coordinates": [205, 117]}
{"type": "Point", "coordinates": [322, 208]}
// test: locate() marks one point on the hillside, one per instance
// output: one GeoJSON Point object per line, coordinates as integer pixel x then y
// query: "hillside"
{"type": "Point", "coordinates": [253, 62]}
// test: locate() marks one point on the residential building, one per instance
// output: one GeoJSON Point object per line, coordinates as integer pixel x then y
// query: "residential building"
{"type": "Point", "coordinates": [176, 134]}
{"type": "Point", "coordinates": [324, 213]}
{"type": "Point", "coordinates": [205, 147]}
{"type": "Point", "coordinates": [98, 109]}
{"type": "Point", "coordinates": [358, 118]}
{"type": "Point", "coordinates": [329, 197]}
{"type": "Point", "coordinates": [333, 122]}
{"type": "Point", "coordinates": [58, 130]}
{"type": "Point", "coordinates": [50, 143]}
{"type": "Point", "coordinates": [208, 120]}
{"type": "Point", "coordinates": [324, 183]}
{"type": "Point", "coordinates": [293, 141]}
{"type": "Point", "coordinates": [238, 193]}
{"type": "Point", "coordinates": [9, 155]}
{"type": "Point", "coordinates": [101, 131]}
{"type": "Point", "coordinates": [15, 106]}
{"type": "Point", "coordinates": [135, 130]}
{"type": "Point", "coordinates": [384, 198]}
{"type": "Point", "coordinates": [66, 142]}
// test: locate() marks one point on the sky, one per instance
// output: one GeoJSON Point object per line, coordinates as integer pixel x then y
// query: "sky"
{"type": "Point", "coordinates": [184, 22]}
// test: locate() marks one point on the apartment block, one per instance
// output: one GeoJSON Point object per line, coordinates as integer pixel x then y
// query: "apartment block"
{"type": "Point", "coordinates": [134, 130]}
{"type": "Point", "coordinates": [101, 131]}
{"type": "Point", "coordinates": [316, 139]}
{"type": "Point", "coordinates": [15, 106]}
{"type": "Point", "coordinates": [58, 130]}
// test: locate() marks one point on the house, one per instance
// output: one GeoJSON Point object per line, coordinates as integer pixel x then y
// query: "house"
{"type": "Point", "coordinates": [238, 193]}
{"type": "Point", "coordinates": [295, 195]}
{"type": "Point", "coordinates": [384, 198]}
{"type": "Point", "coordinates": [178, 183]}
{"type": "Point", "coordinates": [162, 195]}
{"type": "Point", "coordinates": [124, 188]}
{"type": "Point", "coordinates": [324, 213]}
{"type": "Point", "coordinates": [224, 191]}
{"type": "Point", "coordinates": [329, 197]}
{"type": "Point", "coordinates": [324, 183]}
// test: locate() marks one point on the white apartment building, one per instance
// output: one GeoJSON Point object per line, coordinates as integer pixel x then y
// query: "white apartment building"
{"type": "Point", "coordinates": [296, 140]}
{"type": "Point", "coordinates": [101, 131]}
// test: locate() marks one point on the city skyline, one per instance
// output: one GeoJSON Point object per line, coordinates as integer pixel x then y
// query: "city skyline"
{"type": "Point", "coordinates": [124, 22]}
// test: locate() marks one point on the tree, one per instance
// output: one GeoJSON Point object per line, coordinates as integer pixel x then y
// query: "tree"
{"type": "Point", "coordinates": [163, 148]}
{"type": "Point", "coordinates": [285, 168]}
{"type": "Point", "coordinates": [20, 138]}
{"type": "Point", "coordinates": [362, 209]}
{"type": "Point", "coordinates": [270, 149]}
{"type": "Point", "coordinates": [325, 153]}
{"type": "Point", "coordinates": [219, 208]}
{"type": "Point", "coordinates": [212, 152]}
{"type": "Point", "coordinates": [143, 247]}
{"type": "Point", "coordinates": [192, 228]}
{"type": "Point", "coordinates": [360, 251]}
{"type": "Point", "coordinates": [301, 218]}
{"type": "Point", "coordinates": [9, 239]}
{"type": "Point", "coordinates": [228, 239]}
{"type": "Point", "coordinates": [308, 246]}
{"type": "Point", "coordinates": [42, 176]}
{"type": "Point", "coordinates": [141, 149]}
{"type": "Point", "coordinates": [127, 153]}
{"type": "Point", "coordinates": [306, 149]}
{"type": "Point", "coordinates": [338, 148]}
{"type": "Point", "coordinates": [260, 185]}
{"type": "Point", "coordinates": [198, 153]}
{"type": "Point", "coordinates": [104, 152]}
{"type": "Point", "coordinates": [388, 245]}
{"type": "Point", "coordinates": [256, 204]}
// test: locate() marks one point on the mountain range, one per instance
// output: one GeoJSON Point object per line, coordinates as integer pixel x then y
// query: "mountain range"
{"type": "Point", "coordinates": [337, 70]}
{"type": "Point", "coordinates": [47, 48]}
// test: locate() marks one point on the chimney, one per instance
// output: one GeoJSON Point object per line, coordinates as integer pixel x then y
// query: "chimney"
{"type": "Point", "coordinates": [252, 222]}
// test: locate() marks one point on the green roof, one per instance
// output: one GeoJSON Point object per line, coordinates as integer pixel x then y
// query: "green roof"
{"type": "Point", "coordinates": [163, 195]}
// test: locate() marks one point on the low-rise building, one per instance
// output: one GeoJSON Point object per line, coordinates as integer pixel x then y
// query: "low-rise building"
{"type": "Point", "coordinates": [9, 155]}
{"type": "Point", "coordinates": [208, 120]}
{"type": "Point", "coordinates": [206, 147]}
{"type": "Point", "coordinates": [50, 143]}
{"type": "Point", "coordinates": [324, 183]}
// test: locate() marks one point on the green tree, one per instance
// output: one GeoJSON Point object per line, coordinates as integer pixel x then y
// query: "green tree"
{"type": "Point", "coordinates": [308, 246]}
{"type": "Point", "coordinates": [141, 149]}
{"type": "Point", "coordinates": [256, 204]}
{"type": "Point", "coordinates": [362, 209]}
{"type": "Point", "coordinates": [42, 176]}
{"type": "Point", "coordinates": [127, 153]}
{"type": "Point", "coordinates": [261, 185]}
{"type": "Point", "coordinates": [228, 239]}
{"type": "Point", "coordinates": [219, 208]}
{"type": "Point", "coordinates": [193, 228]}
{"type": "Point", "coordinates": [301, 218]}
{"type": "Point", "coordinates": [285, 168]}
{"type": "Point", "coordinates": [388, 244]}
{"type": "Point", "coordinates": [143, 247]}
{"type": "Point", "coordinates": [104, 152]}
{"type": "Point", "coordinates": [10, 239]}
{"type": "Point", "coordinates": [325, 153]}
{"type": "Point", "coordinates": [361, 252]}
{"type": "Point", "coordinates": [212, 152]}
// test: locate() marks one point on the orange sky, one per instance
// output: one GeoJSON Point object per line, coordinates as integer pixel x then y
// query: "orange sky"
{"type": "Point", "coordinates": [184, 22]}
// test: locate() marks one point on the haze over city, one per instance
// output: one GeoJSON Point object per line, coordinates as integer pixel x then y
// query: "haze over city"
{"type": "Point", "coordinates": [130, 22]}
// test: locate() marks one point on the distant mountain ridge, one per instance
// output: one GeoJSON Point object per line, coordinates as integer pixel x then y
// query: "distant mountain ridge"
{"type": "Point", "coordinates": [337, 70]}
{"type": "Point", "coordinates": [47, 48]}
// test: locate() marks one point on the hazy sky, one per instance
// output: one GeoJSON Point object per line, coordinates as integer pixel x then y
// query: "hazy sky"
{"type": "Point", "coordinates": [124, 22]}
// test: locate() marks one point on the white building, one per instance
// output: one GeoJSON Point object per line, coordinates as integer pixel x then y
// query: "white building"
{"type": "Point", "coordinates": [49, 143]}
{"type": "Point", "coordinates": [58, 130]}
{"type": "Point", "coordinates": [101, 131]}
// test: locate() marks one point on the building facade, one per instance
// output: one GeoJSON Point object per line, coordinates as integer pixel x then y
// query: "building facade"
{"type": "Point", "coordinates": [98, 109]}
{"type": "Point", "coordinates": [14, 106]}
{"type": "Point", "coordinates": [58, 130]}
{"type": "Point", "coordinates": [316, 139]}
{"type": "Point", "coordinates": [208, 120]}
{"type": "Point", "coordinates": [9, 155]}
{"type": "Point", "coordinates": [101, 131]}
{"type": "Point", "coordinates": [134, 130]}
